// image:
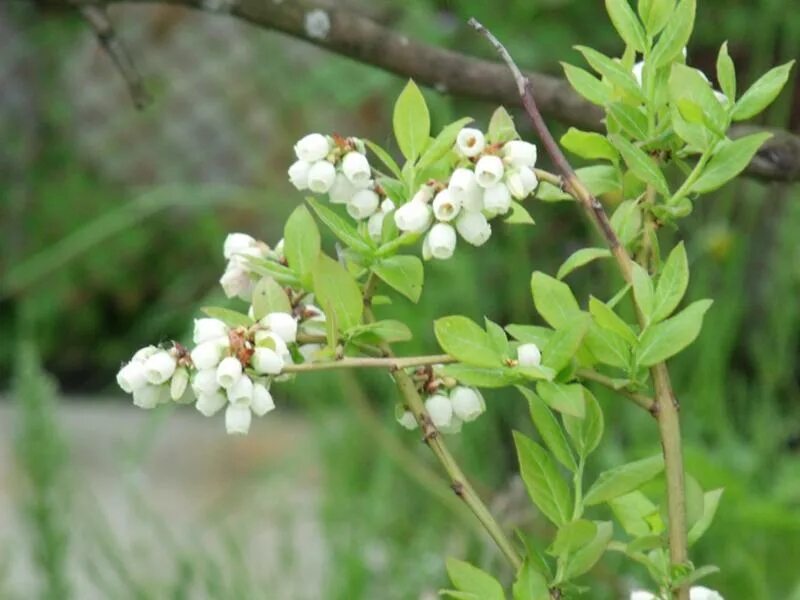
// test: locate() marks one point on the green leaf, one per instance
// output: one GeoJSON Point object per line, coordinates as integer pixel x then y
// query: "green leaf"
{"type": "Point", "coordinates": [726, 73]}
{"type": "Point", "coordinates": [231, 318]}
{"type": "Point", "coordinates": [550, 431]}
{"type": "Point", "coordinates": [269, 268]}
{"type": "Point", "coordinates": [498, 337]}
{"type": "Point", "coordinates": [627, 222]}
{"type": "Point", "coordinates": [530, 334]}
{"type": "Point", "coordinates": [614, 72]}
{"type": "Point", "coordinates": [553, 300]}
{"type": "Point", "coordinates": [472, 580]}
{"type": "Point", "coordinates": [497, 377]}
{"type": "Point", "coordinates": [631, 120]}
{"type": "Point", "coordinates": [572, 536]}
{"type": "Point", "coordinates": [403, 273]}
{"type": "Point", "coordinates": [675, 36]}
{"type": "Point", "coordinates": [643, 290]}
{"type": "Point", "coordinates": [693, 494]}
{"type": "Point", "coordinates": [586, 432]}
{"type": "Point", "coordinates": [566, 398]}
{"type": "Point", "coordinates": [655, 14]}
{"type": "Point", "coordinates": [389, 331]}
{"type": "Point", "coordinates": [710, 504]}
{"type": "Point", "coordinates": [623, 479]}
{"type": "Point", "coordinates": [606, 318]}
{"type": "Point", "coordinates": [641, 164]}
{"type": "Point", "coordinates": [341, 228]}
{"type": "Point", "coordinates": [301, 243]}
{"type": "Point", "coordinates": [585, 558]}
{"type": "Point", "coordinates": [334, 286]}
{"type": "Point", "coordinates": [269, 297]}
{"type": "Point", "coordinates": [600, 179]}
{"type": "Point", "coordinates": [519, 215]}
{"type": "Point", "coordinates": [672, 284]}
{"type": "Point", "coordinates": [411, 121]}
{"type": "Point", "coordinates": [661, 341]}
{"type": "Point", "coordinates": [587, 85]}
{"type": "Point", "coordinates": [580, 258]}
{"type": "Point", "coordinates": [589, 145]}
{"type": "Point", "coordinates": [564, 343]}
{"type": "Point", "coordinates": [385, 158]}
{"type": "Point", "coordinates": [501, 127]}
{"type": "Point", "coordinates": [633, 511]}
{"type": "Point", "coordinates": [530, 584]}
{"type": "Point", "coordinates": [627, 24]}
{"type": "Point", "coordinates": [730, 160]}
{"type": "Point", "coordinates": [608, 347]}
{"type": "Point", "coordinates": [464, 340]}
{"type": "Point", "coordinates": [441, 144]}
{"type": "Point", "coordinates": [762, 93]}
{"type": "Point", "coordinates": [688, 92]}
{"type": "Point", "coordinates": [544, 483]}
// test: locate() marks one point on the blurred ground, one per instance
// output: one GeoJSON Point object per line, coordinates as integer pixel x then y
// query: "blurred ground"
{"type": "Point", "coordinates": [193, 487]}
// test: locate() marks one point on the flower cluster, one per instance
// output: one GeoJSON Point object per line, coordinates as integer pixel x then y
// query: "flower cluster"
{"type": "Point", "coordinates": [239, 249]}
{"type": "Point", "coordinates": [486, 179]}
{"type": "Point", "coordinates": [156, 375]}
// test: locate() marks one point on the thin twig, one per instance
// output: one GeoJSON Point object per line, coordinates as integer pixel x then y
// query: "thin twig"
{"type": "Point", "coordinates": [645, 402]}
{"type": "Point", "coordinates": [98, 20]}
{"type": "Point", "coordinates": [390, 363]}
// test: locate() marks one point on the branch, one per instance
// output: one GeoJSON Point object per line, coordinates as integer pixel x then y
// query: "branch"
{"type": "Point", "coordinates": [391, 363]}
{"type": "Point", "coordinates": [323, 24]}
{"type": "Point", "coordinates": [641, 400]}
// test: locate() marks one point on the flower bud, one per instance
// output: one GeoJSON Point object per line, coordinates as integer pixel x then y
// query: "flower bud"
{"type": "Point", "coordinates": [241, 392]}
{"type": "Point", "coordinates": [699, 592]}
{"type": "Point", "coordinates": [414, 216]}
{"type": "Point", "coordinates": [521, 182]}
{"type": "Point", "coordinates": [309, 351]}
{"type": "Point", "coordinates": [355, 167]}
{"type": "Point", "coordinates": [407, 420]}
{"type": "Point", "coordinates": [142, 354]}
{"type": "Point", "coordinates": [281, 324]}
{"type": "Point", "coordinates": [470, 142]}
{"type": "Point", "coordinates": [528, 355]}
{"type": "Point", "coordinates": [209, 329]}
{"type": "Point", "coordinates": [205, 382]}
{"type": "Point", "coordinates": [497, 199]}
{"type": "Point", "coordinates": [149, 396]}
{"type": "Point", "coordinates": [441, 241]}
{"type": "Point", "coordinates": [468, 403]}
{"type": "Point", "coordinates": [208, 354]}
{"type": "Point", "coordinates": [424, 194]}
{"type": "Point", "coordinates": [228, 372]}
{"type": "Point", "coordinates": [637, 71]}
{"type": "Point", "coordinates": [446, 206]}
{"type": "Point", "coordinates": [474, 228]}
{"type": "Point", "coordinates": [298, 174]}
{"type": "Point", "coordinates": [342, 190]}
{"type": "Point", "coordinates": [209, 403]}
{"type": "Point", "coordinates": [266, 361]}
{"type": "Point", "coordinates": [321, 176]}
{"type": "Point", "coordinates": [520, 154]}
{"type": "Point", "coordinates": [387, 205]}
{"type": "Point", "coordinates": [235, 281]}
{"type": "Point", "coordinates": [363, 204]}
{"type": "Point", "coordinates": [489, 171]}
{"type": "Point", "coordinates": [180, 380]}
{"type": "Point", "coordinates": [272, 341]}
{"type": "Point", "coordinates": [312, 147]}
{"type": "Point", "coordinates": [237, 419]}
{"type": "Point", "coordinates": [262, 401]}
{"type": "Point", "coordinates": [159, 367]}
{"type": "Point", "coordinates": [236, 243]}
{"type": "Point", "coordinates": [440, 410]}
{"type": "Point", "coordinates": [131, 377]}
{"type": "Point", "coordinates": [375, 225]}
{"type": "Point", "coordinates": [465, 189]}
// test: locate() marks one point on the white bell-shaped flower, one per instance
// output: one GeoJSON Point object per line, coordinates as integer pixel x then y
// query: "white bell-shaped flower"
{"type": "Point", "coordinates": [520, 154]}
{"type": "Point", "coordinates": [529, 355]}
{"type": "Point", "coordinates": [703, 593]}
{"type": "Point", "coordinates": [237, 419]}
{"type": "Point", "coordinates": [149, 396]}
{"type": "Point", "coordinates": [229, 371]}
{"type": "Point", "coordinates": [262, 401]}
{"type": "Point", "coordinates": [387, 205]}
{"type": "Point", "coordinates": [407, 420]}
{"type": "Point", "coordinates": [208, 354]}
{"type": "Point", "coordinates": [208, 329]}
{"type": "Point", "coordinates": [521, 182]}
{"type": "Point", "coordinates": [241, 392]}
{"type": "Point", "coordinates": [497, 199]}
{"type": "Point", "coordinates": [642, 595]}
{"type": "Point", "coordinates": [309, 351]}
{"type": "Point", "coordinates": [363, 204]}
{"type": "Point", "coordinates": [142, 354]}
{"type": "Point", "coordinates": [312, 147]}
{"type": "Point", "coordinates": [159, 367]}
{"type": "Point", "coordinates": [440, 410]}
{"type": "Point", "coordinates": [468, 403]}
{"type": "Point", "coordinates": [470, 142]}
{"type": "Point", "coordinates": [266, 361]}
{"type": "Point", "coordinates": [446, 205]}
{"type": "Point", "coordinates": [282, 324]}
{"type": "Point", "coordinates": [235, 281]}
{"type": "Point", "coordinates": [210, 403]}
{"type": "Point", "coordinates": [413, 216]}
{"type": "Point", "coordinates": [236, 243]}
{"type": "Point", "coordinates": [474, 228]}
{"type": "Point", "coordinates": [342, 190]}
{"type": "Point", "coordinates": [131, 376]}
{"type": "Point", "coordinates": [272, 341]}
{"type": "Point", "coordinates": [441, 241]}
{"type": "Point", "coordinates": [205, 382]}
{"type": "Point", "coordinates": [355, 167]}
{"type": "Point", "coordinates": [298, 174]}
{"type": "Point", "coordinates": [321, 176]}
{"type": "Point", "coordinates": [489, 171]}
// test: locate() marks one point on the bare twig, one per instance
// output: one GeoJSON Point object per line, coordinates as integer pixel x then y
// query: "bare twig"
{"type": "Point", "coordinates": [390, 363]}
{"type": "Point", "coordinates": [97, 18]}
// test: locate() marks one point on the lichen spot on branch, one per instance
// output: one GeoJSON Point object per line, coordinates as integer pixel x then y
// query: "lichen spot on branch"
{"type": "Point", "coordinates": [317, 24]}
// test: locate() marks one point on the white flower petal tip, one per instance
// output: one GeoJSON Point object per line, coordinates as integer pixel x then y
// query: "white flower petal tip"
{"type": "Point", "coordinates": [159, 367]}
{"type": "Point", "coordinates": [489, 171]}
{"type": "Point", "coordinates": [312, 147]}
{"type": "Point", "coordinates": [241, 392]}
{"type": "Point", "coordinates": [355, 167]}
{"type": "Point", "coordinates": [298, 174]}
{"type": "Point", "coordinates": [262, 401]}
{"type": "Point", "coordinates": [446, 205]}
{"type": "Point", "coordinates": [363, 204]}
{"type": "Point", "coordinates": [228, 372]}
{"type": "Point", "coordinates": [267, 361]}
{"type": "Point", "coordinates": [413, 216]}
{"type": "Point", "coordinates": [440, 410]}
{"type": "Point", "coordinates": [497, 199]}
{"type": "Point", "coordinates": [283, 325]}
{"type": "Point", "coordinates": [209, 404]}
{"type": "Point", "coordinates": [470, 142]}
{"type": "Point", "coordinates": [321, 176]}
{"type": "Point", "coordinates": [237, 419]}
{"type": "Point", "coordinates": [521, 182]}
{"type": "Point", "coordinates": [520, 154]}
{"type": "Point", "coordinates": [208, 329]}
{"type": "Point", "coordinates": [441, 241]}
{"type": "Point", "coordinates": [474, 228]}
{"type": "Point", "coordinates": [468, 403]}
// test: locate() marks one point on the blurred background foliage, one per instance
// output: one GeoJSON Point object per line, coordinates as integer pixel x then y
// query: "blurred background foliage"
{"type": "Point", "coordinates": [111, 224]}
